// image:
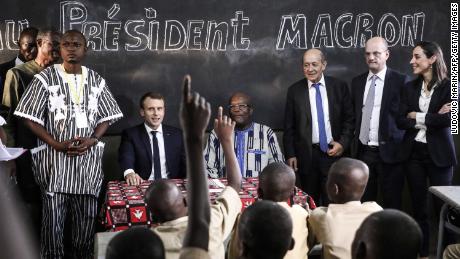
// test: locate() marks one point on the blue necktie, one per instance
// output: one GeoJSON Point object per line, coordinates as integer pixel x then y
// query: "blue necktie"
{"type": "Point", "coordinates": [156, 156]}
{"type": "Point", "coordinates": [321, 124]}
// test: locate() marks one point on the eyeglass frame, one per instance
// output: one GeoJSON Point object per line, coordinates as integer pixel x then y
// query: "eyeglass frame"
{"type": "Point", "coordinates": [239, 107]}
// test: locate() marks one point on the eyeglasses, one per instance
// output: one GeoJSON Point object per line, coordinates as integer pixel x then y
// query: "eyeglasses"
{"type": "Point", "coordinates": [239, 107]}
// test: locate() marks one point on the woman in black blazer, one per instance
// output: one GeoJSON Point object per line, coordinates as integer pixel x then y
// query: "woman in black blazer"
{"type": "Point", "coordinates": [428, 142]}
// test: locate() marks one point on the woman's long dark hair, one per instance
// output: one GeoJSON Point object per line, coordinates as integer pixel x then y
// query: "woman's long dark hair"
{"type": "Point", "coordinates": [439, 68]}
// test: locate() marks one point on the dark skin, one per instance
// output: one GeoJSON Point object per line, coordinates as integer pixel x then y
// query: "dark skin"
{"type": "Point", "coordinates": [194, 117]}
{"type": "Point", "coordinates": [242, 115]}
{"type": "Point", "coordinates": [165, 201]}
{"type": "Point", "coordinates": [73, 51]}
{"type": "Point", "coordinates": [347, 180]}
{"type": "Point", "coordinates": [27, 47]}
{"type": "Point", "coordinates": [276, 182]}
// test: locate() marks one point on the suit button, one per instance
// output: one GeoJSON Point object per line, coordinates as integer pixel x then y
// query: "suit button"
{"type": "Point", "coordinates": [382, 142]}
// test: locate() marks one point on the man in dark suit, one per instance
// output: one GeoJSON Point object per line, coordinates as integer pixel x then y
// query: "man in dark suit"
{"type": "Point", "coordinates": [27, 51]}
{"type": "Point", "coordinates": [151, 150]}
{"type": "Point", "coordinates": [318, 126]}
{"type": "Point", "coordinates": [376, 97]}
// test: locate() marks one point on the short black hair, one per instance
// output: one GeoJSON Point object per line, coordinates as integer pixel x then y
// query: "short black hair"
{"type": "Point", "coordinates": [136, 243]}
{"type": "Point", "coordinates": [151, 95]}
{"type": "Point", "coordinates": [387, 234]}
{"type": "Point", "coordinates": [32, 31]}
{"type": "Point", "coordinates": [265, 230]}
{"type": "Point", "coordinates": [76, 32]}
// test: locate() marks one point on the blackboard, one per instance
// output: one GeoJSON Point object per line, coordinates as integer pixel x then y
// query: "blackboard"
{"type": "Point", "coordinates": [254, 46]}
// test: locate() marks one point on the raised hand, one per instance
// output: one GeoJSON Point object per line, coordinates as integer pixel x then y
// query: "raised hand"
{"type": "Point", "coordinates": [195, 111]}
{"type": "Point", "coordinates": [224, 127]}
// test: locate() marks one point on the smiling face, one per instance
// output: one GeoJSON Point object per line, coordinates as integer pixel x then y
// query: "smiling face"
{"type": "Point", "coordinates": [421, 64]}
{"type": "Point", "coordinates": [27, 47]}
{"type": "Point", "coordinates": [313, 65]}
{"type": "Point", "coordinates": [376, 54]}
{"type": "Point", "coordinates": [153, 112]}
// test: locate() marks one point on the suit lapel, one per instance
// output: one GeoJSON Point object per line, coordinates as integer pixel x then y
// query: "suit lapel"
{"type": "Point", "coordinates": [167, 140]}
{"type": "Point", "coordinates": [434, 99]}
{"type": "Point", "coordinates": [416, 96]}
{"type": "Point", "coordinates": [360, 99]}
{"type": "Point", "coordinates": [386, 94]}
{"type": "Point", "coordinates": [145, 140]}
{"type": "Point", "coordinates": [330, 101]}
{"type": "Point", "coordinates": [305, 98]}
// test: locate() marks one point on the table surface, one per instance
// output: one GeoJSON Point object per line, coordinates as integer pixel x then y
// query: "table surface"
{"type": "Point", "coordinates": [449, 194]}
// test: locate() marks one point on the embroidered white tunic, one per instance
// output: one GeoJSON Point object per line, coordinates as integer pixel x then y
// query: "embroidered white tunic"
{"type": "Point", "coordinates": [68, 105]}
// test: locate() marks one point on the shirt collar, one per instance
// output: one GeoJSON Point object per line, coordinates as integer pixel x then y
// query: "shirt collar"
{"type": "Point", "coordinates": [251, 127]}
{"type": "Point", "coordinates": [380, 75]}
{"type": "Point", "coordinates": [159, 130]}
{"type": "Point", "coordinates": [321, 81]}
{"type": "Point", "coordinates": [18, 61]}
{"type": "Point", "coordinates": [177, 221]}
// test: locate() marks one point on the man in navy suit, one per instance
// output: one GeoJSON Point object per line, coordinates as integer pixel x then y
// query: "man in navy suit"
{"type": "Point", "coordinates": [376, 98]}
{"type": "Point", "coordinates": [318, 124]}
{"type": "Point", "coordinates": [151, 150]}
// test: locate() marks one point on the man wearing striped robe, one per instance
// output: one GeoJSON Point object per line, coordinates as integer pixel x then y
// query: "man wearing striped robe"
{"type": "Point", "coordinates": [256, 145]}
{"type": "Point", "coordinates": [69, 107]}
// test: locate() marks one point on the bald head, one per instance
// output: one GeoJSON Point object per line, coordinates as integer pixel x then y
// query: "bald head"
{"type": "Point", "coordinates": [347, 180]}
{"type": "Point", "coordinates": [165, 201]}
{"type": "Point", "coordinates": [387, 234]}
{"type": "Point", "coordinates": [376, 53]}
{"type": "Point", "coordinates": [276, 182]}
{"type": "Point", "coordinates": [265, 231]}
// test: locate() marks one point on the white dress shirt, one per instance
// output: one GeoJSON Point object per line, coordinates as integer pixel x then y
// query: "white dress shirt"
{"type": "Point", "coordinates": [314, 115]}
{"type": "Point", "coordinates": [423, 103]}
{"type": "Point", "coordinates": [375, 116]}
{"type": "Point", "coordinates": [161, 147]}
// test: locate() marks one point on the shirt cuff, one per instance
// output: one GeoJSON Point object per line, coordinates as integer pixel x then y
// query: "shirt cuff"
{"type": "Point", "coordinates": [127, 171]}
{"type": "Point", "coordinates": [420, 118]}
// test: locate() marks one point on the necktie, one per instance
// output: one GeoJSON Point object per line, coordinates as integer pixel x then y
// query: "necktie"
{"type": "Point", "coordinates": [367, 113]}
{"type": "Point", "coordinates": [156, 156]}
{"type": "Point", "coordinates": [320, 115]}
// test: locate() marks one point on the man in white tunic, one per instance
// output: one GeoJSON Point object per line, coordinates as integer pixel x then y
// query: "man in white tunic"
{"type": "Point", "coordinates": [68, 107]}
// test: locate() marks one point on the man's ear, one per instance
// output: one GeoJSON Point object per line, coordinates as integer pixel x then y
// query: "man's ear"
{"type": "Point", "coordinates": [141, 112]}
{"type": "Point", "coordinates": [361, 251]}
{"type": "Point", "coordinates": [260, 193]}
{"type": "Point", "coordinates": [336, 189]}
{"type": "Point", "coordinates": [291, 246]}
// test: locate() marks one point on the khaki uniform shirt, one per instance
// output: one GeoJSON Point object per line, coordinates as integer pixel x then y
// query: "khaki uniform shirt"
{"type": "Point", "coordinates": [335, 226]}
{"type": "Point", "coordinates": [223, 216]}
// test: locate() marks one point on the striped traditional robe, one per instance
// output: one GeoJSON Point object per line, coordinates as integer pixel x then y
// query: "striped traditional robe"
{"type": "Point", "coordinates": [50, 100]}
{"type": "Point", "coordinates": [257, 144]}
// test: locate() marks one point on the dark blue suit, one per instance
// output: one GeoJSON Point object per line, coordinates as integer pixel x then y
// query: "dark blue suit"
{"type": "Point", "coordinates": [435, 159]}
{"type": "Point", "coordinates": [135, 151]}
{"type": "Point", "coordinates": [385, 160]}
{"type": "Point", "coordinates": [313, 164]}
